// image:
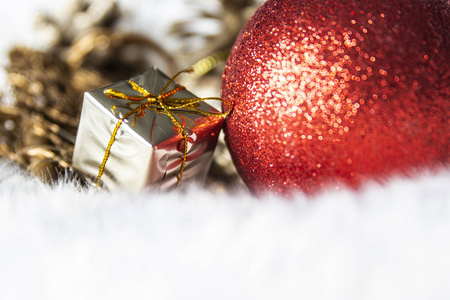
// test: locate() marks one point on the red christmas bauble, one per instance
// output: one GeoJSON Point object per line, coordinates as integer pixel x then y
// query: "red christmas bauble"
{"type": "Point", "coordinates": [333, 93]}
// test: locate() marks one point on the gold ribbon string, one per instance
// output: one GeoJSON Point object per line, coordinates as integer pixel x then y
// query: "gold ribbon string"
{"type": "Point", "coordinates": [161, 103]}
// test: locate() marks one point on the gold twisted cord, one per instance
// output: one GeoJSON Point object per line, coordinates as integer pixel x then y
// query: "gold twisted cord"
{"type": "Point", "coordinates": [111, 142]}
{"type": "Point", "coordinates": [161, 103]}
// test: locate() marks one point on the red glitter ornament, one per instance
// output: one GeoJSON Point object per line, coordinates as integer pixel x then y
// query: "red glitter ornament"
{"type": "Point", "coordinates": [333, 93]}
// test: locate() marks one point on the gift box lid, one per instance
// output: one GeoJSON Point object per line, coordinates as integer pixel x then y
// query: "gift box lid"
{"type": "Point", "coordinates": [155, 127]}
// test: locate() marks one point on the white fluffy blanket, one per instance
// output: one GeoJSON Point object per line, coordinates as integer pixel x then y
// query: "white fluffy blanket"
{"type": "Point", "coordinates": [386, 242]}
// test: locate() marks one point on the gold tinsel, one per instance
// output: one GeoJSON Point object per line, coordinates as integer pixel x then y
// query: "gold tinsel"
{"type": "Point", "coordinates": [38, 129]}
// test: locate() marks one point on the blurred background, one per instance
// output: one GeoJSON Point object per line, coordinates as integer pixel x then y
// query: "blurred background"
{"type": "Point", "coordinates": [51, 52]}
{"type": "Point", "coordinates": [181, 27]}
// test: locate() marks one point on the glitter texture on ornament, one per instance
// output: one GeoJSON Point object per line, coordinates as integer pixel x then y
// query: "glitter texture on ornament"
{"type": "Point", "coordinates": [333, 93]}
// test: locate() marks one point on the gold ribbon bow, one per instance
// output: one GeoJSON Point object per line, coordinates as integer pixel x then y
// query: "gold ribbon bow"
{"type": "Point", "coordinates": [161, 103]}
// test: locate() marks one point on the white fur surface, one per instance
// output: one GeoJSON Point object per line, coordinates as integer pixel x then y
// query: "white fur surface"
{"type": "Point", "coordinates": [386, 242]}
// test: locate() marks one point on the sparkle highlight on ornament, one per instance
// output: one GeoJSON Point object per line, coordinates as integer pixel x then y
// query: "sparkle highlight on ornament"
{"type": "Point", "coordinates": [335, 92]}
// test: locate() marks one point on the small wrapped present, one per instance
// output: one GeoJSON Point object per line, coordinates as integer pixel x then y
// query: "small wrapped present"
{"type": "Point", "coordinates": [147, 131]}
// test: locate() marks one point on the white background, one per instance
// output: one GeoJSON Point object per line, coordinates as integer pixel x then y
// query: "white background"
{"type": "Point", "coordinates": [384, 242]}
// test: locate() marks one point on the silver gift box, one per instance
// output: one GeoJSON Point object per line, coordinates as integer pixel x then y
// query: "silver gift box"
{"type": "Point", "coordinates": [149, 153]}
